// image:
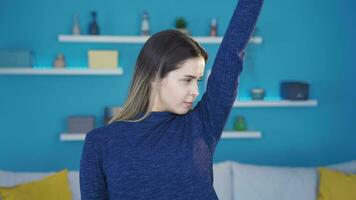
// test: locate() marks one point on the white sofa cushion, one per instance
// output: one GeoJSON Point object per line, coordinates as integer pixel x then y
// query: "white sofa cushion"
{"type": "Point", "coordinates": [8, 179]}
{"type": "Point", "coordinates": [346, 167]}
{"type": "Point", "coordinates": [254, 182]}
{"type": "Point", "coordinates": [223, 180]}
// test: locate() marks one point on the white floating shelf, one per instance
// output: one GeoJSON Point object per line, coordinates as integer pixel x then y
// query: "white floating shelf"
{"type": "Point", "coordinates": [276, 103]}
{"type": "Point", "coordinates": [241, 134]}
{"type": "Point", "coordinates": [102, 39]}
{"type": "Point", "coordinates": [136, 39]}
{"type": "Point", "coordinates": [48, 71]}
{"type": "Point", "coordinates": [225, 135]}
{"type": "Point", "coordinates": [72, 136]}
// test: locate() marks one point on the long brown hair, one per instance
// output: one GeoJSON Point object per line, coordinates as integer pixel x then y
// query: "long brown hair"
{"type": "Point", "coordinates": [162, 53]}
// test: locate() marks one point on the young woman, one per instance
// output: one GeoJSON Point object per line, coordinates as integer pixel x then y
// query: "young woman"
{"type": "Point", "coordinates": [159, 147]}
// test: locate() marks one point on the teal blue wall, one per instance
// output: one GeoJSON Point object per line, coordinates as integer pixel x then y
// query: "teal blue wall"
{"type": "Point", "coordinates": [308, 40]}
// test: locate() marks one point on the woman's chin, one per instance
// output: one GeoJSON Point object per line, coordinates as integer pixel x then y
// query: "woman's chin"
{"type": "Point", "coordinates": [183, 111]}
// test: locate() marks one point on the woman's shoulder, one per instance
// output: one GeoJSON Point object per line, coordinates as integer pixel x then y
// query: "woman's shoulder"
{"type": "Point", "coordinates": [104, 133]}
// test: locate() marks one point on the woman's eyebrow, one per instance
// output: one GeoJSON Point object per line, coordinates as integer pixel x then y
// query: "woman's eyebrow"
{"type": "Point", "coordinates": [190, 76]}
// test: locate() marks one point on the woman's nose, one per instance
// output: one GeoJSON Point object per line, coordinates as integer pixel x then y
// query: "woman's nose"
{"type": "Point", "coordinates": [194, 90]}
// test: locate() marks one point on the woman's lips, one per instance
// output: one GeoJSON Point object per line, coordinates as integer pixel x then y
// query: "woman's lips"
{"type": "Point", "coordinates": [188, 104]}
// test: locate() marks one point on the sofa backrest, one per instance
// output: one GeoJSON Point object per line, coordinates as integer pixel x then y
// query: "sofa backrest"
{"type": "Point", "coordinates": [256, 182]}
{"type": "Point", "coordinates": [223, 180]}
{"type": "Point", "coordinates": [232, 180]}
{"type": "Point", "coordinates": [236, 181]}
{"type": "Point", "coordinates": [273, 183]}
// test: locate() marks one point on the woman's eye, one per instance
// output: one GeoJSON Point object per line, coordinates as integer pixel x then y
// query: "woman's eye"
{"type": "Point", "coordinates": [189, 80]}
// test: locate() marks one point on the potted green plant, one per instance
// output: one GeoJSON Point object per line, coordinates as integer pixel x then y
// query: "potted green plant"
{"type": "Point", "coordinates": [181, 25]}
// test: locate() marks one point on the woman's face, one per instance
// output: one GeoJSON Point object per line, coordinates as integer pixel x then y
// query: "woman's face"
{"type": "Point", "coordinates": [179, 89]}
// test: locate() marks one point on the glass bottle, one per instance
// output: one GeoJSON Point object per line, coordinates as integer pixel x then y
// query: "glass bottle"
{"type": "Point", "coordinates": [76, 26]}
{"type": "Point", "coordinates": [213, 28]}
{"type": "Point", "coordinates": [145, 26]}
{"type": "Point", "coordinates": [93, 27]}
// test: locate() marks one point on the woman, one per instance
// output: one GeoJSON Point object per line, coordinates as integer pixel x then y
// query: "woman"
{"type": "Point", "coordinates": [159, 147]}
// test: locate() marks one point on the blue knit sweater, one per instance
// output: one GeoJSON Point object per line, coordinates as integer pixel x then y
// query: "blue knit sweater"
{"type": "Point", "coordinates": [168, 156]}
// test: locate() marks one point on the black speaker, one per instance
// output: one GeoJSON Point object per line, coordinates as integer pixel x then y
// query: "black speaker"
{"type": "Point", "coordinates": [294, 90]}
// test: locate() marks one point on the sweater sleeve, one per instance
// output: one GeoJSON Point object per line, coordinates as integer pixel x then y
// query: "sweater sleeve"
{"type": "Point", "coordinates": [92, 179]}
{"type": "Point", "coordinates": [217, 101]}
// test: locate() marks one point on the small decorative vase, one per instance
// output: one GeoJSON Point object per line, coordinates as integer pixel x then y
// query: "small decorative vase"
{"type": "Point", "coordinates": [240, 124]}
{"type": "Point", "coordinates": [257, 93]}
{"type": "Point", "coordinates": [93, 26]}
{"type": "Point", "coordinates": [145, 25]}
{"type": "Point", "coordinates": [213, 28]}
{"type": "Point", "coordinates": [59, 62]}
{"type": "Point", "coordinates": [76, 26]}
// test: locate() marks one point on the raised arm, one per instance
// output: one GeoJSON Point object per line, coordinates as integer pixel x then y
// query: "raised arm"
{"type": "Point", "coordinates": [216, 103]}
{"type": "Point", "coordinates": [92, 180]}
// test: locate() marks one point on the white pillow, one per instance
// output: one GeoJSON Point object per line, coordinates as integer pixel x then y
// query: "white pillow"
{"type": "Point", "coordinates": [252, 182]}
{"type": "Point", "coordinates": [346, 167]}
{"type": "Point", "coordinates": [8, 179]}
{"type": "Point", "coordinates": [74, 184]}
{"type": "Point", "coordinates": [222, 180]}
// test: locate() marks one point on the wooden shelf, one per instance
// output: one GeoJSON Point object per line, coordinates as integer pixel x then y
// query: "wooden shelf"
{"type": "Point", "coordinates": [68, 71]}
{"type": "Point", "coordinates": [225, 135]}
{"type": "Point", "coordinates": [136, 39]}
{"type": "Point", "coordinates": [275, 103]}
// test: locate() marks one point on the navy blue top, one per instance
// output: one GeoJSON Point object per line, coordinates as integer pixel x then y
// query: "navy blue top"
{"type": "Point", "coordinates": [169, 156]}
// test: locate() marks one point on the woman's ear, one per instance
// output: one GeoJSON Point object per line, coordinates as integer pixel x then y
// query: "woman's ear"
{"type": "Point", "coordinates": [154, 84]}
{"type": "Point", "coordinates": [157, 83]}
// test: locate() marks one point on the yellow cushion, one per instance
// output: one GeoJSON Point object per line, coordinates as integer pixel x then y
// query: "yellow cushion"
{"type": "Point", "coordinates": [53, 187]}
{"type": "Point", "coordinates": [335, 185]}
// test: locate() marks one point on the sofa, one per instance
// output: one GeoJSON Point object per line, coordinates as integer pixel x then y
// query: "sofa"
{"type": "Point", "coordinates": [232, 181]}
{"type": "Point", "coordinates": [236, 181]}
